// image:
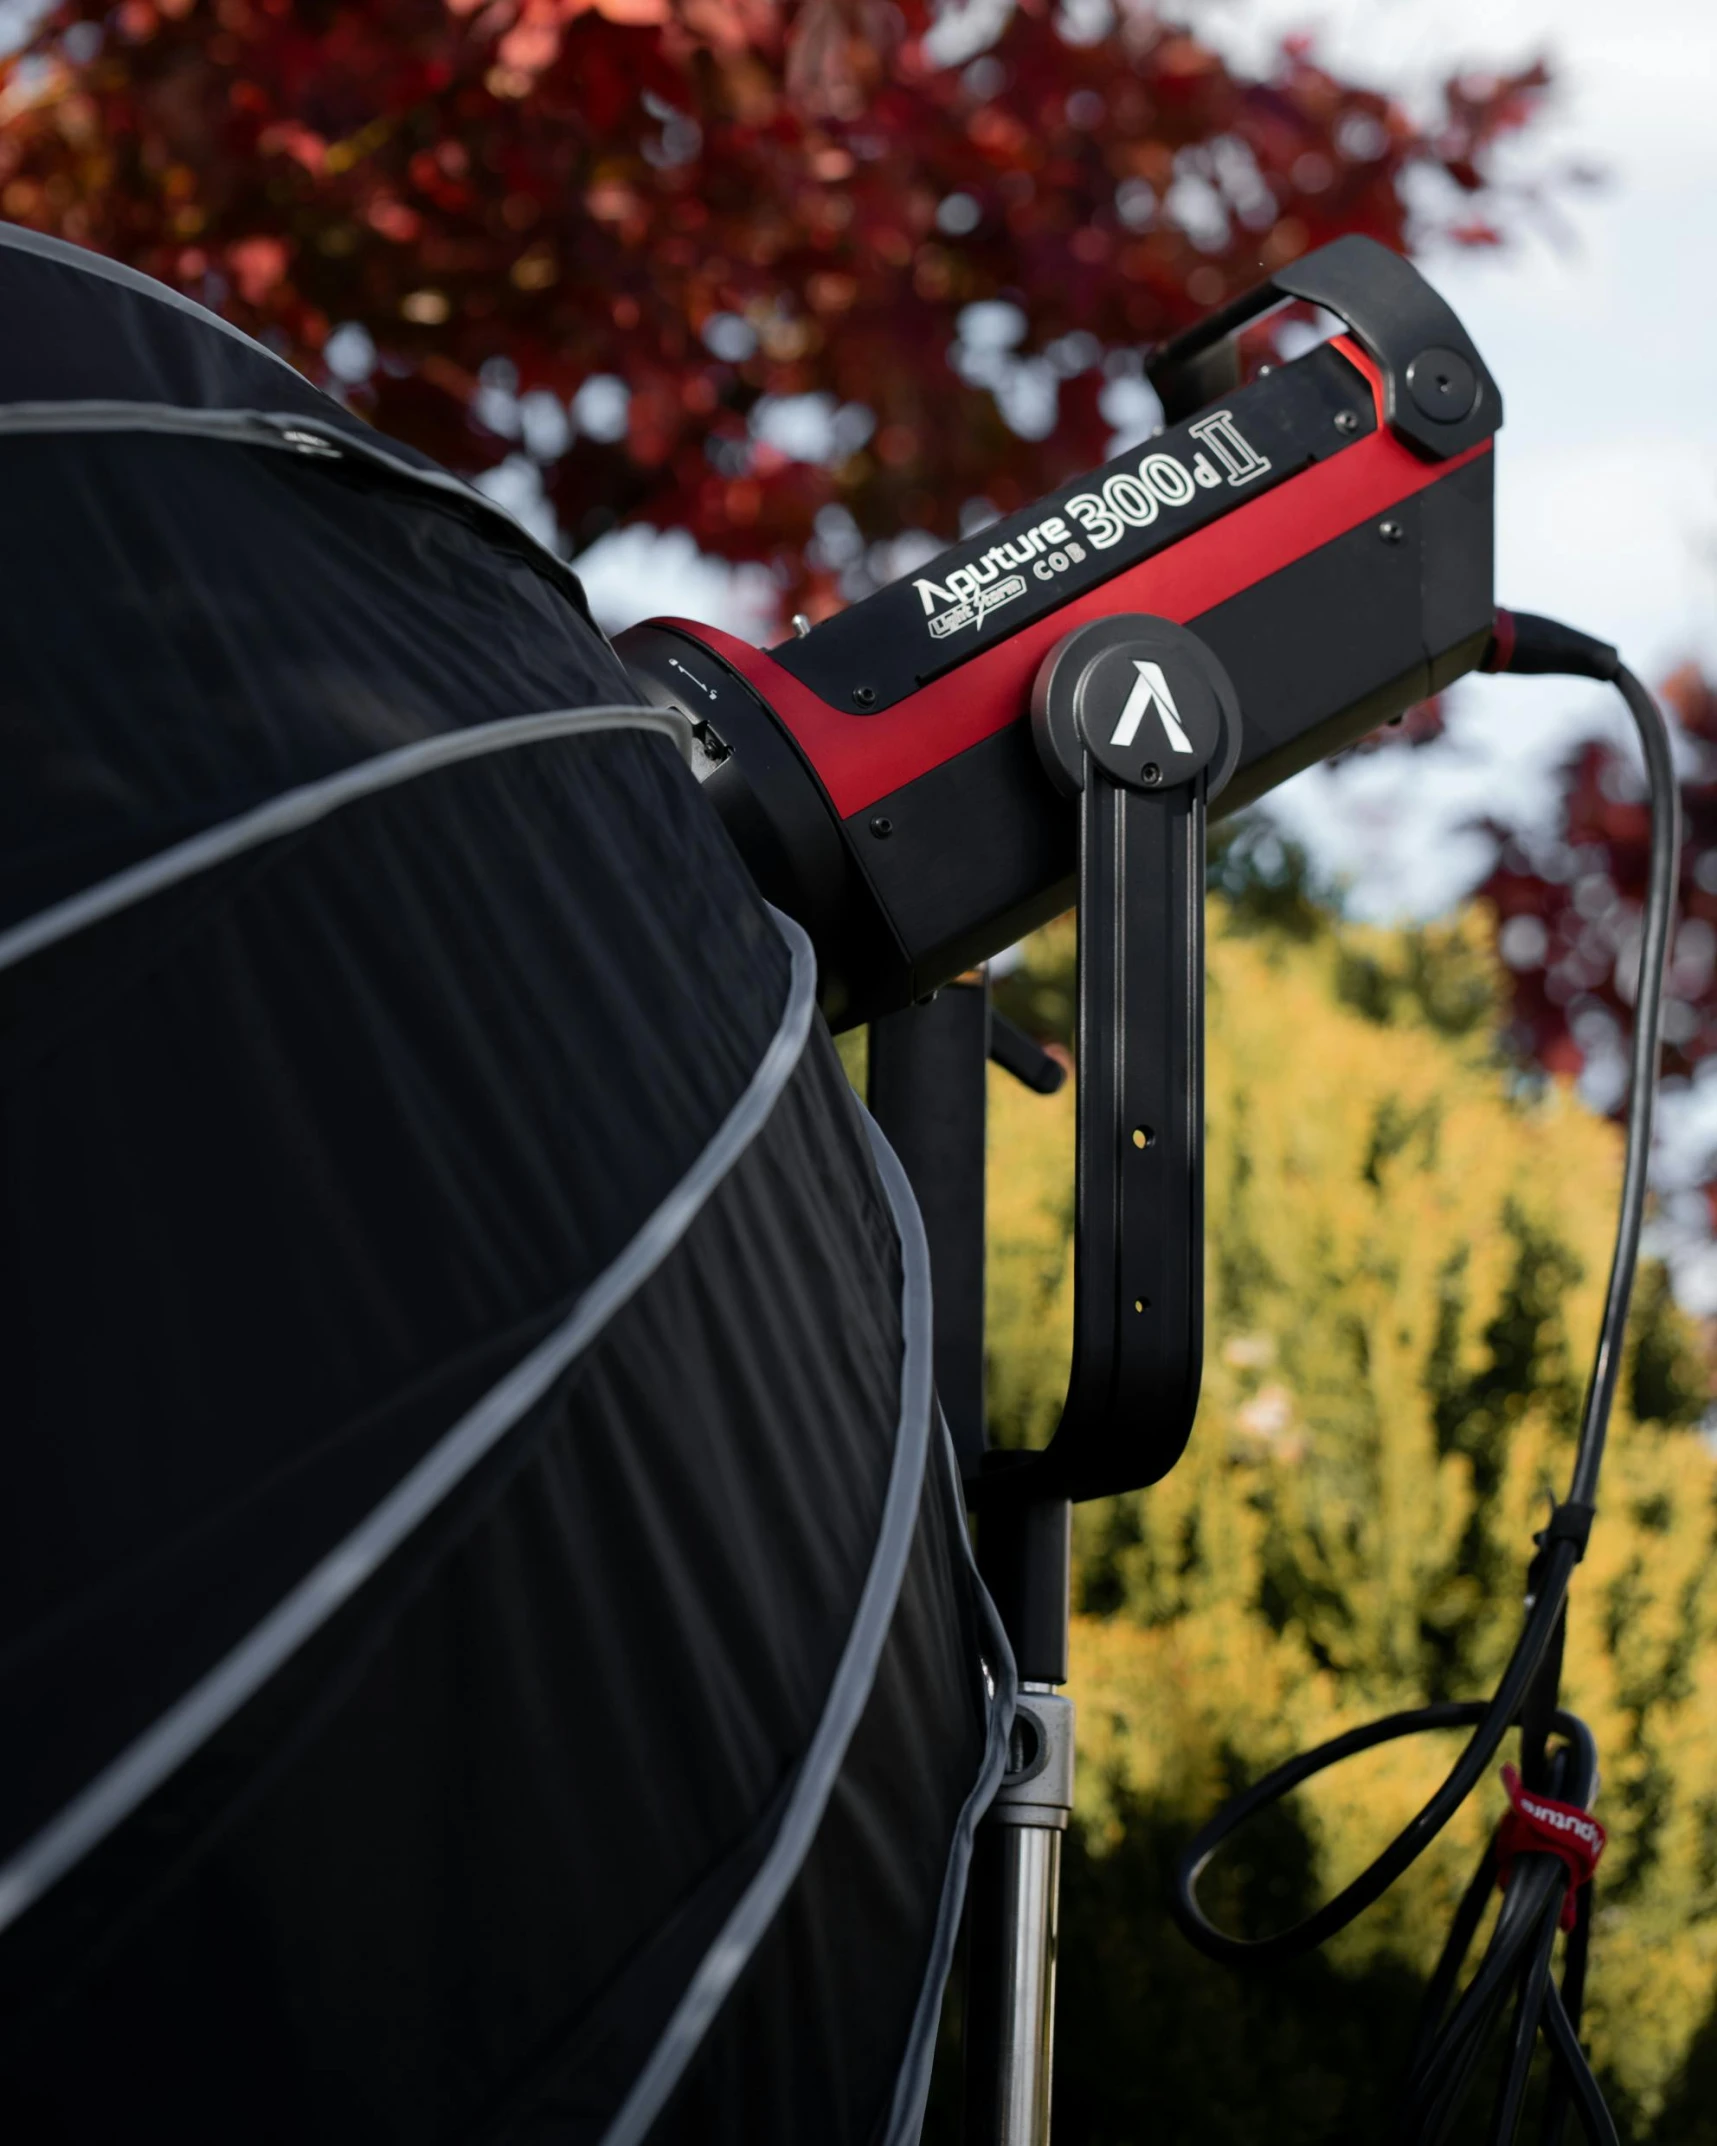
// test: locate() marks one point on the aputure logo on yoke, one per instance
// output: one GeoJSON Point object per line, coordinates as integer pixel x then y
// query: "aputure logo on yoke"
{"type": "Point", "coordinates": [1126, 501]}
{"type": "Point", "coordinates": [1150, 688]}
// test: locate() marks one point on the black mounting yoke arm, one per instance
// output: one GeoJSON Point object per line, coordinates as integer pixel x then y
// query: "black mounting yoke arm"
{"type": "Point", "coordinates": [1142, 716]}
{"type": "Point", "coordinates": [1138, 1236]}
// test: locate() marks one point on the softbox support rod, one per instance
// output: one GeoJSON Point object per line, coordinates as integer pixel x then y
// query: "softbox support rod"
{"type": "Point", "coordinates": [926, 1087]}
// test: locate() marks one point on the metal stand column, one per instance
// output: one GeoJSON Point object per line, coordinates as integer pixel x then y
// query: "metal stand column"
{"type": "Point", "coordinates": [1023, 1552]}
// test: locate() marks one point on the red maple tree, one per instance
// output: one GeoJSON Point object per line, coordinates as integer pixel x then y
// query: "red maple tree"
{"type": "Point", "coordinates": [709, 260]}
{"type": "Point", "coordinates": [709, 264]}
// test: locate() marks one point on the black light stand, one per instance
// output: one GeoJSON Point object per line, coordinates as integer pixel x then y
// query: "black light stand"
{"type": "Point", "coordinates": [925, 1086]}
{"type": "Point", "coordinates": [1137, 721]}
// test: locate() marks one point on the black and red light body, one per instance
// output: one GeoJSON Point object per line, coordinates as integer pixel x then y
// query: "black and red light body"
{"type": "Point", "coordinates": [1325, 529]}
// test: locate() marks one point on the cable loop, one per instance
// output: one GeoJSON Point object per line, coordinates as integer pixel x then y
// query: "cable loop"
{"type": "Point", "coordinates": [1456, 2033]}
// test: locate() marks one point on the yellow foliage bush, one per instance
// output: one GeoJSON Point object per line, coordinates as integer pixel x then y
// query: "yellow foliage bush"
{"type": "Point", "coordinates": [1407, 1250]}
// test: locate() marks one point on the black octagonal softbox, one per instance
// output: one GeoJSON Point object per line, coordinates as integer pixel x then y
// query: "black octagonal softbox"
{"type": "Point", "coordinates": [488, 1650]}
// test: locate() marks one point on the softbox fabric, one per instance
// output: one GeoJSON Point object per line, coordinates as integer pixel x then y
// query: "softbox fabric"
{"type": "Point", "coordinates": [488, 1646]}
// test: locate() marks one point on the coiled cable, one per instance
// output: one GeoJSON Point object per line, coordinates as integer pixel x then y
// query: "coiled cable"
{"type": "Point", "coordinates": [1456, 2031]}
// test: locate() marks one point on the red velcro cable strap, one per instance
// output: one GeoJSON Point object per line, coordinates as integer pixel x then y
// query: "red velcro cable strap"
{"type": "Point", "coordinates": [1535, 1824]}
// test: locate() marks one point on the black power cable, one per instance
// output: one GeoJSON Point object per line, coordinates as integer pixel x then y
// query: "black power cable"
{"type": "Point", "coordinates": [1456, 2031]}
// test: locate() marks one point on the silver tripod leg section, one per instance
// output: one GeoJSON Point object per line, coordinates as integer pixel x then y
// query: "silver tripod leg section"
{"type": "Point", "coordinates": [1010, 2027]}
